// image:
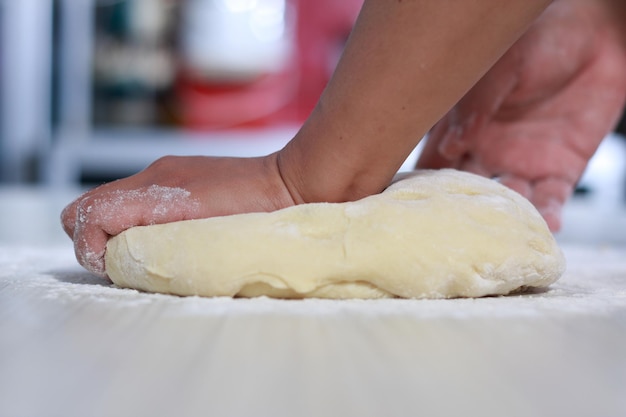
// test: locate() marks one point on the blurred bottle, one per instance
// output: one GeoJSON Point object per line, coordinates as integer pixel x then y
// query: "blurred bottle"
{"type": "Point", "coordinates": [238, 63]}
{"type": "Point", "coordinates": [250, 63]}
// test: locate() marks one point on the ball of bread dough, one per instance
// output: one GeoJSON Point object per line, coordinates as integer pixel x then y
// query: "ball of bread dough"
{"type": "Point", "coordinates": [431, 234]}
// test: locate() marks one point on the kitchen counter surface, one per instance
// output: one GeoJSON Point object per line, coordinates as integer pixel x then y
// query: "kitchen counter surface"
{"type": "Point", "coordinates": [72, 344]}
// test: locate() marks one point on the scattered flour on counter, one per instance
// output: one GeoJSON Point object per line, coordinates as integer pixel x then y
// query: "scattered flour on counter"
{"type": "Point", "coordinates": [595, 284]}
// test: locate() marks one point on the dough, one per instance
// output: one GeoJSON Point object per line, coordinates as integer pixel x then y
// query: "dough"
{"type": "Point", "coordinates": [431, 234]}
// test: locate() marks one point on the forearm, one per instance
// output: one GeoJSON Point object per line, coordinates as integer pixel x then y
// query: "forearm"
{"type": "Point", "coordinates": [406, 63]}
{"type": "Point", "coordinates": [615, 11]}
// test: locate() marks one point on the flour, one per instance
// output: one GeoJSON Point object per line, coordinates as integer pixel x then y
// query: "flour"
{"type": "Point", "coordinates": [594, 285]}
{"type": "Point", "coordinates": [121, 209]}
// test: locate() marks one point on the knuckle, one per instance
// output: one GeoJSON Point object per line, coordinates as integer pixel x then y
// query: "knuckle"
{"type": "Point", "coordinates": [164, 163]}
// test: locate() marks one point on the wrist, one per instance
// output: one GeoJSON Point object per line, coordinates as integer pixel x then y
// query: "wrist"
{"type": "Point", "coordinates": [328, 162]}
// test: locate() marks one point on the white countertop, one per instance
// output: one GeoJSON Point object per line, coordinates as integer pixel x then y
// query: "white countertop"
{"type": "Point", "coordinates": [72, 344]}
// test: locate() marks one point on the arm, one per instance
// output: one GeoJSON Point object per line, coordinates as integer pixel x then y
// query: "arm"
{"type": "Point", "coordinates": [536, 118]}
{"type": "Point", "coordinates": [406, 63]}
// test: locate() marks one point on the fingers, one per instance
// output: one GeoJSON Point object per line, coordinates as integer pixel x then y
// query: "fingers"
{"type": "Point", "coordinates": [69, 213]}
{"type": "Point", "coordinates": [78, 221]}
{"type": "Point", "coordinates": [533, 152]}
{"type": "Point", "coordinates": [68, 218]}
{"type": "Point", "coordinates": [519, 184]}
{"type": "Point", "coordinates": [453, 136]}
{"type": "Point", "coordinates": [548, 195]}
{"type": "Point", "coordinates": [89, 237]}
{"type": "Point", "coordinates": [82, 221]}
{"type": "Point", "coordinates": [431, 157]}
{"type": "Point", "coordinates": [93, 218]}
{"type": "Point", "coordinates": [533, 159]}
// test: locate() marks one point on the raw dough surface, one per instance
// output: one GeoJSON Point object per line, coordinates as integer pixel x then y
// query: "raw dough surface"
{"type": "Point", "coordinates": [431, 234]}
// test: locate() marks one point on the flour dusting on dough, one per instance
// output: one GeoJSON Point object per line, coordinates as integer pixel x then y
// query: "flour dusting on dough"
{"type": "Point", "coordinates": [431, 234]}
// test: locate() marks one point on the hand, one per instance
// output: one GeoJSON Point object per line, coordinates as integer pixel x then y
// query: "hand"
{"type": "Point", "coordinates": [537, 117]}
{"type": "Point", "coordinates": [172, 189]}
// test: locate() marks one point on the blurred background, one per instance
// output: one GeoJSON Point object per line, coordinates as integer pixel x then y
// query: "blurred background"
{"type": "Point", "coordinates": [94, 90]}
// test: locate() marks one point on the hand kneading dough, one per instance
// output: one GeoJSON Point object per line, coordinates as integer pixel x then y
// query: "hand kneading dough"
{"type": "Point", "coordinates": [433, 234]}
